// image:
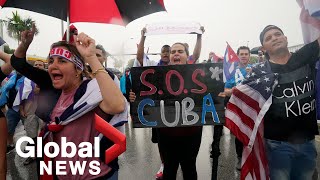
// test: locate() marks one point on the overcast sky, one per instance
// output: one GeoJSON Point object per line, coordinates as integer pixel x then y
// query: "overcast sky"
{"type": "Point", "coordinates": [237, 21]}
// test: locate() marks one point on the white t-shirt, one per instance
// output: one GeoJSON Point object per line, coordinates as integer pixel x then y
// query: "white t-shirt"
{"type": "Point", "coordinates": [146, 62]}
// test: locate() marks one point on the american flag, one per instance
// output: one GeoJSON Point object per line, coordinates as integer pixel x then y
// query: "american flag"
{"type": "Point", "coordinates": [230, 63]}
{"type": "Point", "coordinates": [247, 106]}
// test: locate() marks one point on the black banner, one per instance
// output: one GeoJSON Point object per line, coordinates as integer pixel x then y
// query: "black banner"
{"type": "Point", "coordinates": [177, 96]}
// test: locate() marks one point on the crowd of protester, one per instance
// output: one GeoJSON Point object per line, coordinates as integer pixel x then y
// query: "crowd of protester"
{"type": "Point", "coordinates": [46, 101]}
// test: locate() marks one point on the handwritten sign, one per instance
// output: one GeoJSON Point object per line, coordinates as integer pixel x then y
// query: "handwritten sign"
{"type": "Point", "coordinates": [173, 28]}
{"type": "Point", "coordinates": [177, 96]}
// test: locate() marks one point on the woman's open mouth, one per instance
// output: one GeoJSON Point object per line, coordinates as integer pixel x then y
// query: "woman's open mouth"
{"type": "Point", "coordinates": [56, 76]}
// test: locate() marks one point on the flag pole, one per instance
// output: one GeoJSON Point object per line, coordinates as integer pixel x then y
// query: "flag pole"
{"type": "Point", "coordinates": [62, 28]}
{"type": "Point", "coordinates": [1, 34]}
{"type": "Point", "coordinates": [68, 21]}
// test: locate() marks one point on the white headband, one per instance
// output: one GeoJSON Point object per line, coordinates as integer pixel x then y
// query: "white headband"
{"type": "Point", "coordinates": [65, 54]}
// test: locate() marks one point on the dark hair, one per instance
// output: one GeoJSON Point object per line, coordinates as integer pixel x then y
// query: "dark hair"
{"type": "Point", "coordinates": [104, 52]}
{"type": "Point", "coordinates": [72, 48]}
{"type": "Point", "coordinates": [38, 60]}
{"type": "Point", "coordinates": [165, 46]}
{"type": "Point", "coordinates": [266, 29]}
{"type": "Point", "coordinates": [185, 47]}
{"type": "Point", "coordinates": [241, 48]}
{"type": "Point", "coordinates": [266, 56]}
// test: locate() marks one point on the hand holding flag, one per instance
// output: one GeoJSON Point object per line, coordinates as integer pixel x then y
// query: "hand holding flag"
{"type": "Point", "coordinates": [230, 63]}
{"type": "Point", "coordinates": [246, 108]}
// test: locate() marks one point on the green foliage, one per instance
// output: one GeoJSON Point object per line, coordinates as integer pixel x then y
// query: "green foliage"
{"type": "Point", "coordinates": [17, 24]}
{"type": "Point", "coordinates": [8, 50]}
{"type": "Point", "coordinates": [130, 63]}
{"type": "Point", "coordinates": [253, 60]}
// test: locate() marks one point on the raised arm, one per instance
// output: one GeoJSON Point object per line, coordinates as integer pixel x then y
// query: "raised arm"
{"type": "Point", "coordinates": [197, 48]}
{"type": "Point", "coordinates": [140, 51]}
{"type": "Point", "coordinates": [6, 68]}
{"type": "Point", "coordinates": [19, 63]}
{"type": "Point", "coordinates": [112, 98]}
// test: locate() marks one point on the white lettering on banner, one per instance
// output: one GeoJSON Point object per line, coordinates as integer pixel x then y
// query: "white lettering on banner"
{"type": "Point", "coordinates": [173, 28]}
{"type": "Point", "coordinates": [187, 111]}
{"type": "Point", "coordinates": [163, 117]}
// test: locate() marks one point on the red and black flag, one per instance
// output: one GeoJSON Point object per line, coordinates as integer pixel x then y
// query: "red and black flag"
{"type": "Point", "coordinates": [99, 11]}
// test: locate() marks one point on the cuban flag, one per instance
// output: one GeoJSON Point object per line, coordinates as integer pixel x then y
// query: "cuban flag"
{"type": "Point", "coordinates": [230, 63]}
{"type": "Point", "coordinates": [313, 7]}
{"type": "Point", "coordinates": [310, 19]}
{"type": "Point", "coordinates": [310, 24]}
{"type": "Point", "coordinates": [26, 92]}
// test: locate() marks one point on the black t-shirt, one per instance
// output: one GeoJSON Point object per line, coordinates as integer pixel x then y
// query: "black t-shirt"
{"type": "Point", "coordinates": [292, 114]}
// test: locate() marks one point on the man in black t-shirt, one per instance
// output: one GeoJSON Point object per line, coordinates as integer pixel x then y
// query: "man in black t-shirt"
{"type": "Point", "coordinates": [290, 124]}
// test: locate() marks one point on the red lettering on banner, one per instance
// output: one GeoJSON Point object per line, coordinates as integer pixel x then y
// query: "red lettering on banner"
{"type": "Point", "coordinates": [153, 89]}
{"type": "Point", "coordinates": [59, 51]}
{"type": "Point", "coordinates": [67, 54]}
{"type": "Point", "coordinates": [168, 82]}
{"type": "Point", "coordinates": [52, 51]}
{"type": "Point", "coordinates": [196, 81]}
